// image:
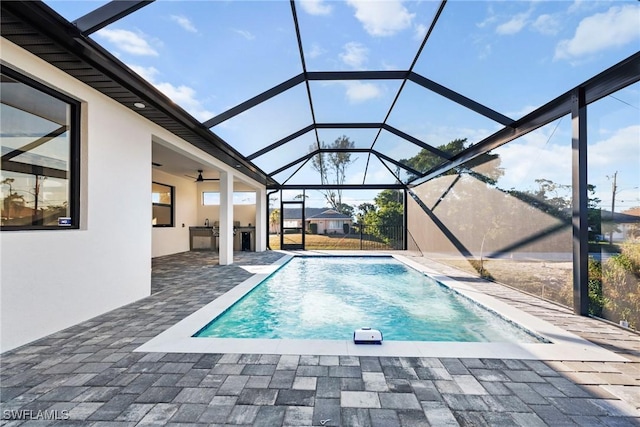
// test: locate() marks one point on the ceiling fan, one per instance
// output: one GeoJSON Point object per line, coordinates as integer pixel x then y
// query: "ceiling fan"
{"type": "Point", "coordinates": [201, 179]}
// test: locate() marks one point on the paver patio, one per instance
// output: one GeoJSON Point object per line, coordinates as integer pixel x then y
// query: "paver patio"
{"type": "Point", "coordinates": [89, 374]}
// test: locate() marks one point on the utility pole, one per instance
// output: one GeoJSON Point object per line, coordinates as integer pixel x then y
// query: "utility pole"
{"type": "Point", "coordinates": [614, 188]}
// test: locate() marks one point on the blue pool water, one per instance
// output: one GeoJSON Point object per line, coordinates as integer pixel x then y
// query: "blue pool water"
{"type": "Point", "coordinates": [330, 297]}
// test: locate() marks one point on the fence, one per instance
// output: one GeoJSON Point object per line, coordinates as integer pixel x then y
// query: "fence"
{"type": "Point", "coordinates": [358, 238]}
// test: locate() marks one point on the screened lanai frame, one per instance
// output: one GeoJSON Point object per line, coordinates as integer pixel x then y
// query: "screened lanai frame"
{"type": "Point", "coordinates": [573, 102]}
{"type": "Point", "coordinates": [116, 10]}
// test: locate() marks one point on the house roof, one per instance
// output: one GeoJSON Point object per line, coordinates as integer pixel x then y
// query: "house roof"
{"type": "Point", "coordinates": [329, 214]}
{"type": "Point", "coordinates": [296, 213]}
{"type": "Point", "coordinates": [631, 216]}
{"type": "Point", "coordinates": [633, 211]}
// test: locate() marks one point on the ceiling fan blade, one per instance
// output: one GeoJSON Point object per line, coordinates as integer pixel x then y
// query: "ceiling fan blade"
{"type": "Point", "coordinates": [200, 178]}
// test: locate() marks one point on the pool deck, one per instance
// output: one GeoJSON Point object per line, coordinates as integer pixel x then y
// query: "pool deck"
{"type": "Point", "coordinates": [92, 373]}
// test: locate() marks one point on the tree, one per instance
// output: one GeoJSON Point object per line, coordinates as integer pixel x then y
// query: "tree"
{"type": "Point", "coordinates": [486, 165]}
{"type": "Point", "coordinates": [426, 160]}
{"type": "Point", "coordinates": [274, 219]}
{"type": "Point", "coordinates": [363, 210]}
{"type": "Point", "coordinates": [332, 167]}
{"type": "Point", "coordinates": [383, 218]}
{"type": "Point", "coordinates": [346, 209]}
{"type": "Point", "coordinates": [13, 201]}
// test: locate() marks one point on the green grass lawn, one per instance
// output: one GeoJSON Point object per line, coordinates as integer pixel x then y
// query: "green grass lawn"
{"type": "Point", "coordinates": [327, 242]}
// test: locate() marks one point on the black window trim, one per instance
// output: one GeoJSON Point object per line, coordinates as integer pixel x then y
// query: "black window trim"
{"type": "Point", "coordinates": [74, 151]}
{"type": "Point", "coordinates": [172, 205]}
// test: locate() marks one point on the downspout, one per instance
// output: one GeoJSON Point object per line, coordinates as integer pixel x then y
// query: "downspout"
{"type": "Point", "coordinates": [268, 219]}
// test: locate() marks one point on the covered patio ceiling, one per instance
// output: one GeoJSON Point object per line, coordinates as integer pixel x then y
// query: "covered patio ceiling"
{"type": "Point", "coordinates": [267, 87]}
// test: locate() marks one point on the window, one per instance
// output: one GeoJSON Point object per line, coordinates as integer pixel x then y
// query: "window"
{"type": "Point", "coordinates": [162, 201]}
{"type": "Point", "coordinates": [212, 198]}
{"type": "Point", "coordinates": [40, 155]}
{"type": "Point", "coordinates": [335, 224]}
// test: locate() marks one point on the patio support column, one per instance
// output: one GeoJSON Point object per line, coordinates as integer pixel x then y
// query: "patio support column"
{"type": "Point", "coordinates": [580, 203]}
{"type": "Point", "coordinates": [261, 220]}
{"type": "Point", "coordinates": [226, 218]}
{"type": "Point", "coordinates": [405, 221]}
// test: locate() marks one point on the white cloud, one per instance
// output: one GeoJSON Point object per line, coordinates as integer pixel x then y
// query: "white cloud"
{"type": "Point", "coordinates": [514, 25]}
{"type": "Point", "coordinates": [484, 50]}
{"type": "Point", "coordinates": [360, 92]}
{"type": "Point", "coordinates": [315, 7]}
{"type": "Point", "coordinates": [419, 31]}
{"type": "Point", "coordinates": [315, 51]}
{"type": "Point", "coordinates": [619, 149]}
{"type": "Point", "coordinates": [552, 162]}
{"type": "Point", "coordinates": [547, 24]}
{"type": "Point", "coordinates": [184, 22]}
{"type": "Point", "coordinates": [382, 18]}
{"type": "Point", "coordinates": [582, 5]}
{"type": "Point", "coordinates": [490, 19]}
{"type": "Point", "coordinates": [526, 109]}
{"type": "Point", "coordinates": [616, 27]}
{"type": "Point", "coordinates": [376, 174]}
{"type": "Point", "coordinates": [182, 95]}
{"type": "Point", "coordinates": [354, 54]}
{"type": "Point", "coordinates": [185, 97]}
{"type": "Point", "coordinates": [128, 41]}
{"type": "Point", "coordinates": [246, 34]}
{"type": "Point", "coordinates": [147, 73]}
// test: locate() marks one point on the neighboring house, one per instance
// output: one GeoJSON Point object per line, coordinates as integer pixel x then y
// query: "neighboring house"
{"type": "Point", "coordinates": [627, 224]}
{"type": "Point", "coordinates": [329, 222]}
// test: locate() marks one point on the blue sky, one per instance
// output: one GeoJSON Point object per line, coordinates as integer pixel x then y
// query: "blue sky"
{"type": "Point", "coordinates": [512, 56]}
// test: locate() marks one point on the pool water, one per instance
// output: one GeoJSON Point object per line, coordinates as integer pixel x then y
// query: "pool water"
{"type": "Point", "coordinates": [329, 297]}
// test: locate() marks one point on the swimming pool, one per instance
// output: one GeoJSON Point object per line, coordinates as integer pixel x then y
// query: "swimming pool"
{"type": "Point", "coordinates": [559, 343]}
{"type": "Point", "coordinates": [328, 297]}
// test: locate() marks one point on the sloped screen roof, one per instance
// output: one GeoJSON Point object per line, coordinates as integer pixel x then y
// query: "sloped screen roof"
{"type": "Point", "coordinates": [281, 81]}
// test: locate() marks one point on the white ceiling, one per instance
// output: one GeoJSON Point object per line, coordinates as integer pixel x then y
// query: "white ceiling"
{"type": "Point", "coordinates": [175, 163]}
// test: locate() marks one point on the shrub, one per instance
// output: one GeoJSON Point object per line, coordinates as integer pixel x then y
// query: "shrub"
{"type": "Point", "coordinates": [596, 300]}
{"type": "Point", "coordinates": [620, 283]}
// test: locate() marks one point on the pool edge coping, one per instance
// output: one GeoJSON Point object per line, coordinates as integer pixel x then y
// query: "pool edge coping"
{"type": "Point", "coordinates": [565, 345]}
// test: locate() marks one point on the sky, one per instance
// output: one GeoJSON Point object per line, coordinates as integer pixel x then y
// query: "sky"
{"type": "Point", "coordinates": [512, 56]}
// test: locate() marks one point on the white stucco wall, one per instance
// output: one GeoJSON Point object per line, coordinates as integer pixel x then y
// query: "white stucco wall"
{"type": "Point", "coordinates": [171, 240]}
{"type": "Point", "coordinates": [53, 279]}
{"type": "Point", "coordinates": [246, 214]}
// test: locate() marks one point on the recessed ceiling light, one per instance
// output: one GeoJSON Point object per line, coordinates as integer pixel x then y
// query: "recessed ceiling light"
{"type": "Point", "coordinates": [238, 166]}
{"type": "Point", "coordinates": [139, 105]}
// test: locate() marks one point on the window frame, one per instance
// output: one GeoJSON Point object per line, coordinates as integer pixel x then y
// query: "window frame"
{"type": "Point", "coordinates": [74, 151]}
{"type": "Point", "coordinates": [235, 194]}
{"type": "Point", "coordinates": [171, 205]}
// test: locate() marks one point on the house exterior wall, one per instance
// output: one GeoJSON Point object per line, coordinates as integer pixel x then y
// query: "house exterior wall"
{"type": "Point", "coordinates": [246, 214]}
{"type": "Point", "coordinates": [53, 279]}
{"type": "Point", "coordinates": [56, 278]}
{"type": "Point", "coordinates": [171, 240]}
{"type": "Point", "coordinates": [324, 226]}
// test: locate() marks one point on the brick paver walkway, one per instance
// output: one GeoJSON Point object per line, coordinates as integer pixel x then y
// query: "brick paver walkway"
{"type": "Point", "coordinates": [90, 376]}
